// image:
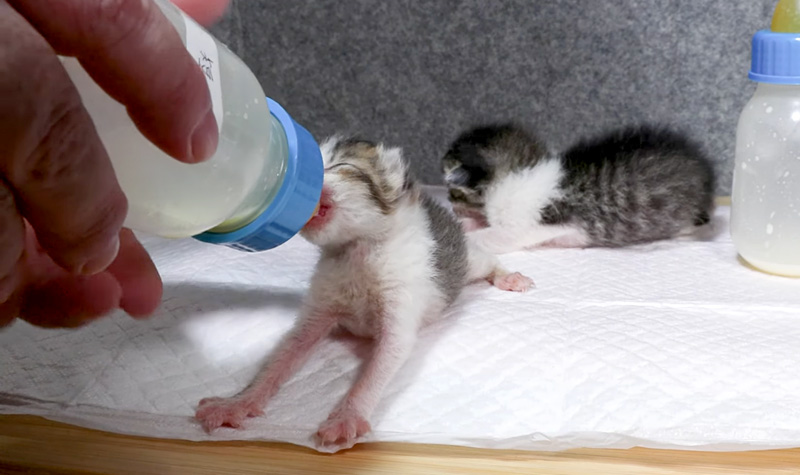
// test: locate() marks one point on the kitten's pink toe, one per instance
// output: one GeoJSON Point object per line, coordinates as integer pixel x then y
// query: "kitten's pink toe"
{"type": "Point", "coordinates": [514, 282]}
{"type": "Point", "coordinates": [342, 429]}
{"type": "Point", "coordinates": [216, 412]}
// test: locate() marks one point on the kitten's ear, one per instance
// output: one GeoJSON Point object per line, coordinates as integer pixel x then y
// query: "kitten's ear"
{"type": "Point", "coordinates": [394, 169]}
{"type": "Point", "coordinates": [328, 148]}
{"type": "Point", "coordinates": [454, 172]}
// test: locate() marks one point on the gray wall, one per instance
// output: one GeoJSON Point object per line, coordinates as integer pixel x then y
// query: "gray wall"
{"type": "Point", "coordinates": [414, 73]}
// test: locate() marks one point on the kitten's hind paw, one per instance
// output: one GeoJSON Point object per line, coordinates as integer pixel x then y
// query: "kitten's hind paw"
{"type": "Point", "coordinates": [216, 412]}
{"type": "Point", "coordinates": [342, 430]}
{"type": "Point", "coordinates": [513, 282]}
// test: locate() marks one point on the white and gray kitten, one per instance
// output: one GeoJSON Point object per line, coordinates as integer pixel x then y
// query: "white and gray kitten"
{"type": "Point", "coordinates": [392, 260]}
{"type": "Point", "coordinates": [629, 186]}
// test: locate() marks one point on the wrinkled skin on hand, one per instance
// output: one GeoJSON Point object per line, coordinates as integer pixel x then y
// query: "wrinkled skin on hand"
{"type": "Point", "coordinates": [65, 259]}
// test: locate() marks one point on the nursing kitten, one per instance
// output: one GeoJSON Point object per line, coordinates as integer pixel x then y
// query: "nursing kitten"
{"type": "Point", "coordinates": [630, 186]}
{"type": "Point", "coordinates": [392, 260]}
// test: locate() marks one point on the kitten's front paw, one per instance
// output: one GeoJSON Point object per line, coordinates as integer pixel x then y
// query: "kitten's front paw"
{"type": "Point", "coordinates": [514, 282]}
{"type": "Point", "coordinates": [342, 429]}
{"type": "Point", "coordinates": [215, 412]}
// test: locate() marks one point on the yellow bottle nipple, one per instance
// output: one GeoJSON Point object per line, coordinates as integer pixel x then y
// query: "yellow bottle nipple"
{"type": "Point", "coordinates": [786, 18]}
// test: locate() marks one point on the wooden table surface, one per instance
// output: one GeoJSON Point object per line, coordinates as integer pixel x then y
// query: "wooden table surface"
{"type": "Point", "coordinates": [34, 445]}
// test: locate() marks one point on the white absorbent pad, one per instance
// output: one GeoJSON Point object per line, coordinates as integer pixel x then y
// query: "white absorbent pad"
{"type": "Point", "coordinates": [670, 345]}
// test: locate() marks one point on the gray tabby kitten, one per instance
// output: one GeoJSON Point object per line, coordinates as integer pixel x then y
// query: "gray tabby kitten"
{"type": "Point", "coordinates": [630, 186]}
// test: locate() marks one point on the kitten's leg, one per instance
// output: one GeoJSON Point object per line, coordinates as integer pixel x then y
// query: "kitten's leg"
{"type": "Point", "coordinates": [482, 265]}
{"type": "Point", "coordinates": [495, 240]}
{"type": "Point", "coordinates": [498, 240]}
{"type": "Point", "coordinates": [350, 420]}
{"type": "Point", "coordinates": [293, 351]}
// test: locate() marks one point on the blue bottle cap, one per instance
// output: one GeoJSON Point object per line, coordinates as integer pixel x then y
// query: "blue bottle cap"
{"type": "Point", "coordinates": [775, 57]}
{"type": "Point", "coordinates": [296, 200]}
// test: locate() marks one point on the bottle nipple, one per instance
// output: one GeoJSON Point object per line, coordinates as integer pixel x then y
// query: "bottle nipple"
{"type": "Point", "coordinates": [315, 213]}
{"type": "Point", "coordinates": [786, 18]}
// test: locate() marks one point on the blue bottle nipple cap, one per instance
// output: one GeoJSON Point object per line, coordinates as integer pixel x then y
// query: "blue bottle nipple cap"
{"type": "Point", "coordinates": [296, 200]}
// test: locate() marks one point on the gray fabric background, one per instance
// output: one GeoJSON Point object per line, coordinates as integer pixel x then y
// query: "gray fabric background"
{"type": "Point", "coordinates": [414, 73]}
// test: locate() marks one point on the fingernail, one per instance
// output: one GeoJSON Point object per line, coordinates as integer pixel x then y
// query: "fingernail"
{"type": "Point", "coordinates": [103, 260]}
{"type": "Point", "coordinates": [205, 138]}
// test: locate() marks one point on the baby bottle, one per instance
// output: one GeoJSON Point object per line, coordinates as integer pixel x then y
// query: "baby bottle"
{"type": "Point", "coordinates": [765, 201]}
{"type": "Point", "coordinates": [256, 192]}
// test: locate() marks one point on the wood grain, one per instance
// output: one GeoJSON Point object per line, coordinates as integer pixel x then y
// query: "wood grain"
{"type": "Point", "coordinates": [31, 444]}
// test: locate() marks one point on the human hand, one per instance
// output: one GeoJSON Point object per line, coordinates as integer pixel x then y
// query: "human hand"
{"type": "Point", "coordinates": [204, 12]}
{"type": "Point", "coordinates": [64, 257]}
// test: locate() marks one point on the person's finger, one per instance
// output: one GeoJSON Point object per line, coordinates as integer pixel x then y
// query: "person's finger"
{"type": "Point", "coordinates": [70, 301]}
{"type": "Point", "coordinates": [205, 12]}
{"type": "Point", "coordinates": [9, 310]}
{"type": "Point", "coordinates": [137, 275]}
{"type": "Point", "coordinates": [132, 51]}
{"type": "Point", "coordinates": [12, 240]}
{"type": "Point", "coordinates": [52, 159]}
{"type": "Point", "coordinates": [52, 298]}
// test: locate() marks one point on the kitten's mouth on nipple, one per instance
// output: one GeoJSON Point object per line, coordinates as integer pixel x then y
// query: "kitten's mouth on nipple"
{"type": "Point", "coordinates": [323, 213]}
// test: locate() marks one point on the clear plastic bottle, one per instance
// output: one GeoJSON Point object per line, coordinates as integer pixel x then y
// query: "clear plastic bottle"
{"type": "Point", "coordinates": [765, 202]}
{"type": "Point", "coordinates": [257, 191]}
